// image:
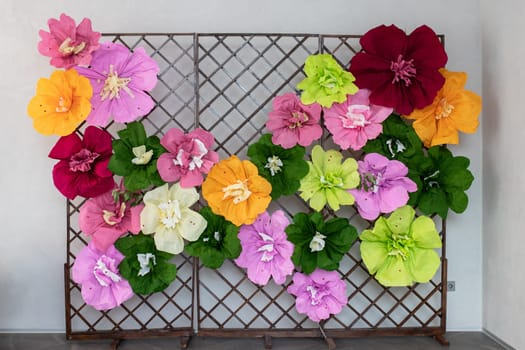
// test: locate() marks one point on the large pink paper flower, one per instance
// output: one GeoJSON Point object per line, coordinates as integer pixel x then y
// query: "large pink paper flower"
{"type": "Point", "coordinates": [318, 295]}
{"type": "Point", "coordinates": [355, 121]}
{"type": "Point", "coordinates": [83, 166]}
{"type": "Point", "coordinates": [266, 252]}
{"type": "Point", "coordinates": [384, 186]}
{"type": "Point", "coordinates": [106, 220]}
{"type": "Point", "coordinates": [292, 122]}
{"type": "Point", "coordinates": [97, 273]}
{"type": "Point", "coordinates": [120, 80]}
{"type": "Point", "coordinates": [66, 44]}
{"type": "Point", "coordinates": [189, 156]}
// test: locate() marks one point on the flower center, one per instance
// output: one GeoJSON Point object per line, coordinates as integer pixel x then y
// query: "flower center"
{"type": "Point", "coordinates": [239, 191]}
{"type": "Point", "coordinates": [328, 79]}
{"type": "Point", "coordinates": [371, 181]}
{"type": "Point", "coordinates": [443, 109]}
{"type": "Point", "coordinates": [297, 120]}
{"type": "Point", "coordinates": [62, 107]}
{"type": "Point", "coordinates": [356, 117]}
{"type": "Point", "coordinates": [317, 243]}
{"type": "Point", "coordinates": [105, 271]}
{"type": "Point", "coordinates": [330, 181]}
{"type": "Point", "coordinates": [403, 70]}
{"type": "Point", "coordinates": [431, 180]}
{"type": "Point", "coordinates": [67, 49]}
{"type": "Point", "coordinates": [266, 247]}
{"type": "Point", "coordinates": [274, 165]}
{"type": "Point", "coordinates": [114, 217]}
{"type": "Point", "coordinates": [399, 245]}
{"type": "Point", "coordinates": [113, 84]}
{"type": "Point", "coordinates": [317, 293]}
{"type": "Point", "coordinates": [192, 158]}
{"type": "Point", "coordinates": [397, 147]}
{"type": "Point", "coordinates": [141, 156]}
{"type": "Point", "coordinates": [170, 213]}
{"type": "Point", "coordinates": [145, 265]}
{"type": "Point", "coordinates": [217, 236]}
{"type": "Point", "coordinates": [82, 160]}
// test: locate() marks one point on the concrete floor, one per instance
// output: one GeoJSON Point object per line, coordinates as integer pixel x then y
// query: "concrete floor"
{"type": "Point", "coordinates": [458, 341]}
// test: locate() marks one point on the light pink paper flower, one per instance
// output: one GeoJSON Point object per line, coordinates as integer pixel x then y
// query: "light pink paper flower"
{"type": "Point", "coordinates": [293, 123]}
{"type": "Point", "coordinates": [266, 252]}
{"type": "Point", "coordinates": [384, 186]}
{"type": "Point", "coordinates": [318, 295]}
{"type": "Point", "coordinates": [66, 44]}
{"type": "Point", "coordinates": [355, 121]}
{"type": "Point", "coordinates": [120, 80]}
{"type": "Point", "coordinates": [97, 273]}
{"type": "Point", "coordinates": [106, 220]}
{"type": "Point", "coordinates": [189, 156]}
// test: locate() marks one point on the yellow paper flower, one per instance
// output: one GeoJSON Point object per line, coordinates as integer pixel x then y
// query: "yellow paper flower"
{"type": "Point", "coordinates": [235, 190]}
{"type": "Point", "coordinates": [454, 109]}
{"type": "Point", "coordinates": [61, 103]}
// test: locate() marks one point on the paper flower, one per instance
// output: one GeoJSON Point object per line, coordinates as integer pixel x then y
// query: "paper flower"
{"type": "Point", "coordinates": [401, 70]}
{"type": "Point", "coordinates": [318, 243]}
{"type": "Point", "coordinates": [283, 168]}
{"type": "Point", "coordinates": [234, 189]}
{"type": "Point", "coordinates": [265, 250]}
{"type": "Point", "coordinates": [328, 179]}
{"type": "Point", "coordinates": [120, 80]}
{"type": "Point", "coordinates": [400, 250]}
{"type": "Point", "coordinates": [355, 121]}
{"type": "Point", "coordinates": [107, 217]}
{"type": "Point", "coordinates": [398, 141]}
{"type": "Point", "coordinates": [136, 157]}
{"type": "Point", "coordinates": [454, 109]}
{"type": "Point", "coordinates": [167, 214]}
{"type": "Point", "coordinates": [326, 82]}
{"type": "Point", "coordinates": [82, 169]}
{"type": "Point", "coordinates": [189, 156]}
{"type": "Point", "coordinates": [147, 269]}
{"type": "Point", "coordinates": [66, 44]}
{"type": "Point", "coordinates": [218, 242]}
{"type": "Point", "coordinates": [442, 180]}
{"type": "Point", "coordinates": [292, 122]}
{"type": "Point", "coordinates": [318, 295]}
{"type": "Point", "coordinates": [384, 186]}
{"type": "Point", "coordinates": [61, 103]}
{"type": "Point", "coordinates": [97, 272]}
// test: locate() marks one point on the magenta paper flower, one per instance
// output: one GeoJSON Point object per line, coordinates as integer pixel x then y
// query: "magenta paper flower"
{"type": "Point", "coordinates": [97, 272]}
{"type": "Point", "coordinates": [66, 44]}
{"type": "Point", "coordinates": [292, 122]}
{"type": "Point", "coordinates": [120, 80]}
{"type": "Point", "coordinates": [384, 186]}
{"type": "Point", "coordinates": [318, 295]}
{"type": "Point", "coordinates": [106, 220]}
{"type": "Point", "coordinates": [355, 121]}
{"type": "Point", "coordinates": [83, 166]}
{"type": "Point", "coordinates": [266, 252]}
{"type": "Point", "coordinates": [189, 156]}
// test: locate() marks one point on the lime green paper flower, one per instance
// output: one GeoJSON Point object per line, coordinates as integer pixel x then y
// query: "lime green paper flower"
{"type": "Point", "coordinates": [218, 242]}
{"type": "Point", "coordinates": [318, 243]}
{"type": "Point", "coordinates": [400, 250]}
{"type": "Point", "coordinates": [326, 81]}
{"type": "Point", "coordinates": [328, 179]}
{"type": "Point", "coordinates": [283, 168]}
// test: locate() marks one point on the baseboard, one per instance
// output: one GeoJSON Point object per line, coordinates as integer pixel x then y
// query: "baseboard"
{"type": "Point", "coordinates": [497, 340]}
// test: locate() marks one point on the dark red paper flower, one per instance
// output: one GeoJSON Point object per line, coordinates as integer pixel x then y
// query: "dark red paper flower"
{"type": "Point", "coordinates": [400, 70]}
{"type": "Point", "coordinates": [83, 166]}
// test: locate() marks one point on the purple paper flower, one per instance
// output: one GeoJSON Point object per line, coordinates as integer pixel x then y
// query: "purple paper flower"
{"type": "Point", "coordinates": [355, 121]}
{"type": "Point", "coordinates": [265, 250]}
{"type": "Point", "coordinates": [384, 186]}
{"type": "Point", "coordinates": [292, 122]}
{"type": "Point", "coordinates": [189, 156]}
{"type": "Point", "coordinates": [120, 79]}
{"type": "Point", "coordinates": [318, 295]}
{"type": "Point", "coordinates": [97, 273]}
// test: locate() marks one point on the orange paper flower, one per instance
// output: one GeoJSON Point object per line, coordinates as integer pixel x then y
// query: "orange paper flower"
{"type": "Point", "coordinates": [454, 109]}
{"type": "Point", "coordinates": [235, 190]}
{"type": "Point", "coordinates": [61, 103]}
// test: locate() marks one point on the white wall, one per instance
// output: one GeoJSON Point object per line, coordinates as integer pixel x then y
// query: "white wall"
{"type": "Point", "coordinates": [32, 241]}
{"type": "Point", "coordinates": [503, 38]}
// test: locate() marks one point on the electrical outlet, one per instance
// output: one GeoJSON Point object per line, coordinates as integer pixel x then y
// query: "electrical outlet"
{"type": "Point", "coordinates": [451, 286]}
